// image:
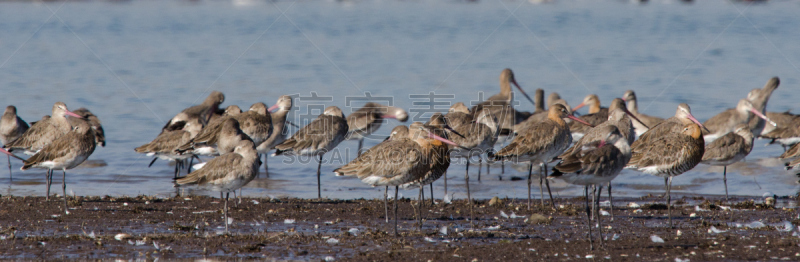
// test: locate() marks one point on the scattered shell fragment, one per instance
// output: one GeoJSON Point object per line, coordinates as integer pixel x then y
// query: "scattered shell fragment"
{"type": "Point", "coordinates": [714, 230]}
{"type": "Point", "coordinates": [122, 236]}
{"type": "Point", "coordinates": [656, 239]}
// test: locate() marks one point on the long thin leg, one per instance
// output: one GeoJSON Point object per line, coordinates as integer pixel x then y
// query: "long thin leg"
{"type": "Point", "coordinates": [396, 188]}
{"type": "Point", "coordinates": [64, 190]}
{"type": "Point", "coordinates": [487, 167]}
{"type": "Point", "coordinates": [588, 216]}
{"type": "Point", "coordinates": [594, 193]}
{"type": "Point", "coordinates": [319, 185]}
{"type": "Point", "coordinates": [421, 194]}
{"type": "Point", "coordinates": [52, 173]}
{"type": "Point", "coordinates": [48, 180]}
{"type": "Point", "coordinates": [610, 202]}
{"type": "Point", "coordinates": [725, 180]}
{"type": "Point", "coordinates": [360, 143]}
{"type": "Point", "coordinates": [469, 197]}
{"type": "Point", "coordinates": [419, 205]}
{"type": "Point", "coordinates": [432, 195]}
{"type": "Point", "coordinates": [226, 212]}
{"type": "Point", "coordinates": [599, 223]}
{"type": "Point", "coordinates": [669, 207]}
{"type": "Point", "coordinates": [530, 173]}
{"type": "Point", "coordinates": [266, 168]}
{"type": "Point", "coordinates": [177, 166]}
{"type": "Point", "coordinates": [547, 183]}
{"type": "Point", "coordinates": [189, 168]}
{"type": "Point", "coordinates": [10, 176]}
{"type": "Point", "coordinates": [386, 203]}
{"type": "Point", "coordinates": [541, 185]}
{"type": "Point", "coordinates": [479, 168]}
{"type": "Point", "coordinates": [502, 167]}
{"type": "Point", "coordinates": [665, 187]}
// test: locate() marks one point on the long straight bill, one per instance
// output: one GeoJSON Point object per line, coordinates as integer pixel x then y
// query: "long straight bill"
{"type": "Point", "coordinates": [579, 120]}
{"type": "Point", "coordinates": [759, 114]}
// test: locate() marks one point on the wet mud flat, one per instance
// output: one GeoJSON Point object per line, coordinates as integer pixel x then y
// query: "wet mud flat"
{"type": "Point", "coordinates": [192, 227]}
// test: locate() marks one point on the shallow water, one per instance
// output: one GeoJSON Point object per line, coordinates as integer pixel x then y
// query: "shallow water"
{"type": "Point", "coordinates": [136, 64]}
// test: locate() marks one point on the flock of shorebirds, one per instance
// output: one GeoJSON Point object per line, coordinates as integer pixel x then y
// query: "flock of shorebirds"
{"type": "Point", "coordinates": [588, 150]}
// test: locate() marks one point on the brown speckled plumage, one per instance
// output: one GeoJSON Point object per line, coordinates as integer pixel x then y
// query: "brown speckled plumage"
{"type": "Point", "coordinates": [279, 126]}
{"type": "Point", "coordinates": [673, 150]}
{"type": "Point", "coordinates": [43, 131]}
{"type": "Point", "coordinates": [401, 159]}
{"type": "Point", "coordinates": [320, 136]}
{"type": "Point", "coordinates": [11, 125]}
{"type": "Point", "coordinates": [94, 122]}
{"type": "Point", "coordinates": [670, 154]}
{"type": "Point", "coordinates": [227, 172]}
{"type": "Point", "coordinates": [406, 158]}
{"type": "Point", "coordinates": [65, 152]}
{"type": "Point", "coordinates": [256, 123]}
{"type": "Point", "coordinates": [202, 112]}
{"type": "Point", "coordinates": [209, 135]}
{"type": "Point", "coordinates": [683, 116]}
{"type": "Point", "coordinates": [595, 162]}
{"type": "Point", "coordinates": [787, 131]}
{"type": "Point", "coordinates": [792, 153]}
{"type": "Point", "coordinates": [540, 142]}
{"type": "Point", "coordinates": [730, 148]}
{"type": "Point", "coordinates": [434, 152]}
{"type": "Point", "coordinates": [317, 138]}
{"type": "Point", "coordinates": [165, 143]}
{"type": "Point", "coordinates": [618, 119]}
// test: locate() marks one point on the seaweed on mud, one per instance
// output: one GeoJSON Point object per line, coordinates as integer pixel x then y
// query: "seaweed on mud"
{"type": "Point", "coordinates": [179, 227]}
{"type": "Point", "coordinates": [252, 247]}
{"type": "Point", "coordinates": [655, 206]}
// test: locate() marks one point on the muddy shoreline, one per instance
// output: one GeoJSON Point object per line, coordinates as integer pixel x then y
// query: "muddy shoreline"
{"type": "Point", "coordinates": [355, 230]}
